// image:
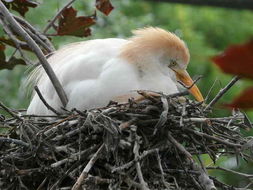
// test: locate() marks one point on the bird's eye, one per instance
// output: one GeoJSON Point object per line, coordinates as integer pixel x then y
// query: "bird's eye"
{"type": "Point", "coordinates": [173, 63]}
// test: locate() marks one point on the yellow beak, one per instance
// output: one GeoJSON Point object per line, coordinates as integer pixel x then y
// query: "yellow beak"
{"type": "Point", "coordinates": [184, 77]}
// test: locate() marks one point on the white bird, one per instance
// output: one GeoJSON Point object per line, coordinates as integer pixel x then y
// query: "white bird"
{"type": "Point", "coordinates": [96, 71]}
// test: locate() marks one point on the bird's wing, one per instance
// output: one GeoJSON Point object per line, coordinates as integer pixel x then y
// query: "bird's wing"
{"type": "Point", "coordinates": [77, 62]}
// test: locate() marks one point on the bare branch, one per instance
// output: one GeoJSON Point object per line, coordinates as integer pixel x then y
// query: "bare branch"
{"type": "Point", "coordinates": [36, 32]}
{"type": "Point", "coordinates": [15, 141]}
{"type": "Point", "coordinates": [249, 176]}
{"type": "Point", "coordinates": [44, 101]}
{"type": "Point", "coordinates": [8, 110]}
{"type": "Point", "coordinates": [15, 40]}
{"type": "Point", "coordinates": [51, 23]}
{"type": "Point", "coordinates": [18, 29]}
{"type": "Point", "coordinates": [87, 168]}
{"type": "Point", "coordinates": [222, 92]}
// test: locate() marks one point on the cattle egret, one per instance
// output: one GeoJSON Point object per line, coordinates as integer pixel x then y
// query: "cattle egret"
{"type": "Point", "coordinates": [96, 71]}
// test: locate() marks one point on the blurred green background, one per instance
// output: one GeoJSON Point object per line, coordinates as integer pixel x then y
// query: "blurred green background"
{"type": "Point", "coordinates": [206, 30]}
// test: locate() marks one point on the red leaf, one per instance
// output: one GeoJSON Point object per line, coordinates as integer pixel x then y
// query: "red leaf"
{"type": "Point", "coordinates": [104, 6]}
{"type": "Point", "coordinates": [244, 100]}
{"type": "Point", "coordinates": [21, 6]}
{"type": "Point", "coordinates": [237, 60]}
{"type": "Point", "coordinates": [70, 24]}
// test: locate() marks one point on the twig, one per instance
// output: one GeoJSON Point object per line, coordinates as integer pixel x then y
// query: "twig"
{"type": "Point", "coordinates": [19, 30]}
{"type": "Point", "coordinates": [129, 164]}
{"type": "Point", "coordinates": [249, 176]}
{"type": "Point", "coordinates": [179, 146]}
{"type": "Point", "coordinates": [36, 32]}
{"type": "Point", "coordinates": [37, 39]}
{"type": "Point", "coordinates": [214, 138]}
{"type": "Point", "coordinates": [10, 112]}
{"type": "Point", "coordinates": [166, 184]}
{"type": "Point", "coordinates": [164, 115]}
{"type": "Point", "coordinates": [136, 148]}
{"type": "Point", "coordinates": [210, 90]}
{"type": "Point", "coordinates": [87, 168]}
{"type": "Point", "coordinates": [222, 92]}
{"type": "Point", "coordinates": [15, 141]}
{"type": "Point", "coordinates": [15, 40]}
{"type": "Point", "coordinates": [42, 184]}
{"type": "Point", "coordinates": [194, 82]}
{"type": "Point", "coordinates": [72, 157]}
{"type": "Point", "coordinates": [56, 16]}
{"type": "Point", "coordinates": [36, 88]}
{"type": "Point", "coordinates": [97, 180]}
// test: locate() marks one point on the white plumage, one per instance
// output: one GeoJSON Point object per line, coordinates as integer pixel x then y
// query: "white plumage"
{"type": "Point", "coordinates": [94, 72]}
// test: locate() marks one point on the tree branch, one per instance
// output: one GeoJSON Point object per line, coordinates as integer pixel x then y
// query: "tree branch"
{"type": "Point", "coordinates": [36, 32]}
{"type": "Point", "coordinates": [56, 16]}
{"type": "Point", "coordinates": [20, 31]}
{"type": "Point", "coordinates": [222, 92]}
{"type": "Point", "coordinates": [87, 168]}
{"type": "Point", "coordinates": [44, 101]}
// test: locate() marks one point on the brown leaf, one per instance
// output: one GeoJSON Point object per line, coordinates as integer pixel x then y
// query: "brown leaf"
{"type": "Point", "coordinates": [104, 6]}
{"type": "Point", "coordinates": [244, 100]}
{"type": "Point", "coordinates": [2, 47]}
{"type": "Point", "coordinates": [237, 60]}
{"type": "Point", "coordinates": [21, 6]}
{"type": "Point", "coordinates": [70, 24]}
{"type": "Point", "coordinates": [11, 63]}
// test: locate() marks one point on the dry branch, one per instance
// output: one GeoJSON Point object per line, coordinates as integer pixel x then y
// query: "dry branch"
{"type": "Point", "coordinates": [151, 144]}
{"type": "Point", "coordinates": [14, 25]}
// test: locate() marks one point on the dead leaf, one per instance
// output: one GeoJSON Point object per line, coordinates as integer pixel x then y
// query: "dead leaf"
{"type": "Point", "coordinates": [243, 101]}
{"type": "Point", "coordinates": [70, 24]}
{"type": "Point", "coordinates": [21, 6]}
{"type": "Point", "coordinates": [2, 47]}
{"type": "Point", "coordinates": [104, 6]}
{"type": "Point", "coordinates": [237, 60]}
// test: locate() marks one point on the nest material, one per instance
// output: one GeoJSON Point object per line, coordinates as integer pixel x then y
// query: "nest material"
{"type": "Point", "coordinates": [153, 144]}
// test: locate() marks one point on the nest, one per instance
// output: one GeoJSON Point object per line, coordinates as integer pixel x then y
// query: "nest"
{"type": "Point", "coordinates": [153, 144]}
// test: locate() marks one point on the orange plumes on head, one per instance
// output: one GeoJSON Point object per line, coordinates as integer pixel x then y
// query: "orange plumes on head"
{"type": "Point", "coordinates": [152, 40]}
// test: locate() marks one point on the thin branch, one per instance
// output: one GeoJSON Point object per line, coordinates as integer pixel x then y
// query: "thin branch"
{"type": "Point", "coordinates": [222, 92]}
{"type": "Point", "coordinates": [249, 176]}
{"type": "Point", "coordinates": [19, 30]}
{"type": "Point", "coordinates": [15, 141]}
{"type": "Point", "coordinates": [15, 41]}
{"type": "Point", "coordinates": [44, 101]}
{"type": "Point", "coordinates": [87, 168]}
{"type": "Point", "coordinates": [8, 110]}
{"type": "Point", "coordinates": [144, 185]}
{"type": "Point", "coordinates": [194, 82]}
{"type": "Point", "coordinates": [36, 38]}
{"type": "Point", "coordinates": [214, 138]}
{"type": "Point", "coordinates": [179, 146]}
{"type": "Point", "coordinates": [129, 164]}
{"type": "Point", "coordinates": [166, 184]}
{"type": "Point", "coordinates": [51, 23]}
{"type": "Point", "coordinates": [35, 31]}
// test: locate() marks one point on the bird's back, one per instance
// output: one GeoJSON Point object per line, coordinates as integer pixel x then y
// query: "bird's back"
{"type": "Point", "coordinates": [81, 61]}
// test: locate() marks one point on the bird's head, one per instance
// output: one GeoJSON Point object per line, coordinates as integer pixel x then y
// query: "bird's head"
{"type": "Point", "coordinates": [154, 47]}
